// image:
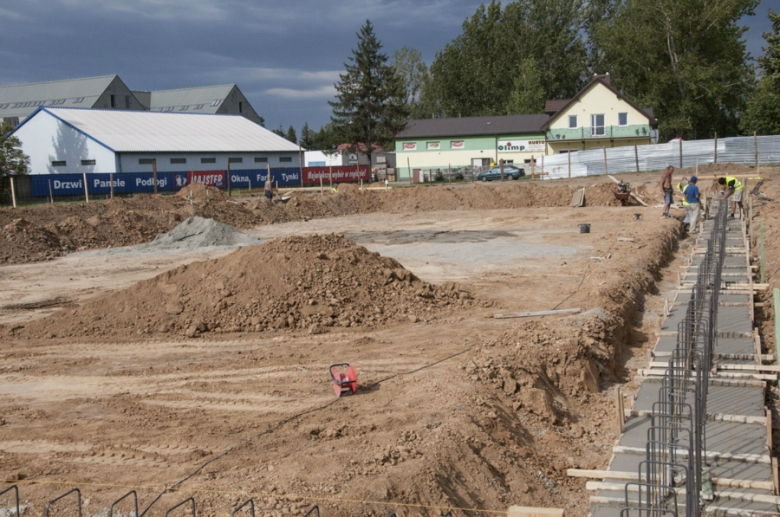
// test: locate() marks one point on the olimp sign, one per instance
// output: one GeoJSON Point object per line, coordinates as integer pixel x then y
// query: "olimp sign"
{"type": "Point", "coordinates": [520, 146]}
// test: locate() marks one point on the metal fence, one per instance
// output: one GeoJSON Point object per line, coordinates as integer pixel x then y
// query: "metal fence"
{"type": "Point", "coordinates": [748, 150]}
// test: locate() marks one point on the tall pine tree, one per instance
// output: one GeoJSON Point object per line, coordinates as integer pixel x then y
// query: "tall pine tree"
{"type": "Point", "coordinates": [370, 103]}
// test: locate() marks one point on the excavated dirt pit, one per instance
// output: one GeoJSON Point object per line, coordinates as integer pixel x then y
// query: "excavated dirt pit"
{"type": "Point", "coordinates": [455, 409]}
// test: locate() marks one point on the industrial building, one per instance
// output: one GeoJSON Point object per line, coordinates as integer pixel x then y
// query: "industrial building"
{"type": "Point", "coordinates": [598, 116]}
{"type": "Point", "coordinates": [226, 99]}
{"type": "Point", "coordinates": [72, 140]}
{"type": "Point", "coordinates": [110, 92]}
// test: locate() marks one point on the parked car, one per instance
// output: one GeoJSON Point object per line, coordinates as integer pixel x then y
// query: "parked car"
{"type": "Point", "coordinates": [510, 172]}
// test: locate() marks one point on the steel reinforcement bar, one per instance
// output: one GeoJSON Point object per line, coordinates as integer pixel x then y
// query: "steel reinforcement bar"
{"type": "Point", "coordinates": [671, 475]}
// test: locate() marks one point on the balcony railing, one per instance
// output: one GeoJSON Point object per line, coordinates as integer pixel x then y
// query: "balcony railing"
{"type": "Point", "coordinates": [591, 133]}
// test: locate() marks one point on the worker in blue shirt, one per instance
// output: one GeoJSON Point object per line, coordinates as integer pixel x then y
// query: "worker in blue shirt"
{"type": "Point", "coordinates": [693, 196]}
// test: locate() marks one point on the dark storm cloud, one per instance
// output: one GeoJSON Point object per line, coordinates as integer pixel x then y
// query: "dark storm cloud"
{"type": "Point", "coordinates": [285, 56]}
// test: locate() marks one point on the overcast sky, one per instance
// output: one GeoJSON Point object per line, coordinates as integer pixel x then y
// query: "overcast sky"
{"type": "Point", "coordinates": [284, 55]}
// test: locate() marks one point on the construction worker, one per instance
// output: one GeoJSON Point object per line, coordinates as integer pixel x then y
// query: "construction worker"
{"type": "Point", "coordinates": [335, 188]}
{"type": "Point", "coordinates": [735, 189]}
{"type": "Point", "coordinates": [269, 189]}
{"type": "Point", "coordinates": [693, 198]}
{"type": "Point", "coordinates": [666, 187]}
{"type": "Point", "coordinates": [681, 187]}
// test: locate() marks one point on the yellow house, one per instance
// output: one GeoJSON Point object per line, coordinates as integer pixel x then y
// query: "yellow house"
{"type": "Point", "coordinates": [598, 116]}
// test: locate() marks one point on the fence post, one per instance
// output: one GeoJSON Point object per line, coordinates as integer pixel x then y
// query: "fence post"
{"type": "Point", "coordinates": [229, 189]}
{"type": "Point", "coordinates": [300, 162]}
{"type": "Point", "coordinates": [533, 168]}
{"type": "Point", "coordinates": [111, 182]}
{"type": "Point", "coordinates": [330, 175]}
{"type": "Point", "coordinates": [636, 157]}
{"type": "Point", "coordinates": [605, 160]}
{"type": "Point", "coordinates": [154, 173]}
{"type": "Point", "coordinates": [322, 193]}
{"type": "Point", "coordinates": [86, 189]}
{"type": "Point", "coordinates": [13, 192]}
{"type": "Point", "coordinates": [51, 195]}
{"type": "Point", "coordinates": [716, 147]}
{"type": "Point", "coordinates": [568, 156]}
{"type": "Point", "coordinates": [681, 153]}
{"type": "Point", "coordinates": [755, 148]}
{"type": "Point", "coordinates": [409, 168]}
{"type": "Point", "coordinates": [542, 170]}
{"type": "Point", "coordinates": [449, 172]}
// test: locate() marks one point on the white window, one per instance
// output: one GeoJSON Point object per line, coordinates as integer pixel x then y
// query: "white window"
{"type": "Point", "coordinates": [572, 121]}
{"type": "Point", "coordinates": [215, 102]}
{"type": "Point", "coordinates": [622, 119]}
{"type": "Point", "coordinates": [597, 125]}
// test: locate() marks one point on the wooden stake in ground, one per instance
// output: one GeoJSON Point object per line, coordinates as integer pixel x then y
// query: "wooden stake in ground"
{"type": "Point", "coordinates": [621, 415]}
{"type": "Point", "coordinates": [755, 148]}
{"type": "Point", "coordinates": [154, 173]}
{"type": "Point", "coordinates": [409, 168]}
{"type": "Point", "coordinates": [321, 191]}
{"type": "Point", "coordinates": [533, 172]}
{"type": "Point", "coordinates": [568, 155]}
{"type": "Point", "coordinates": [449, 172]}
{"type": "Point", "coordinates": [111, 181]}
{"type": "Point", "coordinates": [86, 188]}
{"type": "Point", "coordinates": [51, 195]}
{"type": "Point", "coordinates": [605, 160]}
{"type": "Point", "coordinates": [13, 192]}
{"type": "Point", "coordinates": [330, 175]}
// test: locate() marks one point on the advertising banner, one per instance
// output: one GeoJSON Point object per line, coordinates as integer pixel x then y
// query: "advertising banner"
{"type": "Point", "coordinates": [520, 146]}
{"type": "Point", "coordinates": [216, 179]}
{"type": "Point", "coordinates": [285, 177]}
{"type": "Point", "coordinates": [344, 174]}
{"type": "Point", "coordinates": [100, 183]}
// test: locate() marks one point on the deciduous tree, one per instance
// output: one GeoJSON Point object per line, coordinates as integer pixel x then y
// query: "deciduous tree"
{"type": "Point", "coordinates": [527, 95]}
{"type": "Point", "coordinates": [685, 58]}
{"type": "Point", "coordinates": [13, 161]}
{"type": "Point", "coordinates": [763, 108]}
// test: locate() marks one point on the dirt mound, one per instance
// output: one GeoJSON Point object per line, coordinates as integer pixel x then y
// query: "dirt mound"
{"type": "Point", "coordinates": [200, 193]}
{"type": "Point", "coordinates": [312, 283]}
{"type": "Point", "coordinates": [23, 241]}
{"type": "Point", "coordinates": [602, 194]}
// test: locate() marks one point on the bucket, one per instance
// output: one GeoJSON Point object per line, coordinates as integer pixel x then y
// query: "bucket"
{"type": "Point", "coordinates": [584, 228]}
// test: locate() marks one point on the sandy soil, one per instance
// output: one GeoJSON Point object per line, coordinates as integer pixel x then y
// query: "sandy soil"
{"type": "Point", "coordinates": [456, 411]}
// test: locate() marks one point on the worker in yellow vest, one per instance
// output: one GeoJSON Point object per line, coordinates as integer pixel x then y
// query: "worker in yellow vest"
{"type": "Point", "coordinates": [734, 189]}
{"type": "Point", "coordinates": [681, 195]}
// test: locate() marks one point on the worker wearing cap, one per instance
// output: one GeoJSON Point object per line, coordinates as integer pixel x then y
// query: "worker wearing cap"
{"type": "Point", "coordinates": [735, 189]}
{"type": "Point", "coordinates": [681, 195]}
{"type": "Point", "coordinates": [335, 188]}
{"type": "Point", "coordinates": [693, 196]}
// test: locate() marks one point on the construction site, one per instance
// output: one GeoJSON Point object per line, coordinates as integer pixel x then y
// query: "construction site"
{"type": "Point", "coordinates": [514, 348]}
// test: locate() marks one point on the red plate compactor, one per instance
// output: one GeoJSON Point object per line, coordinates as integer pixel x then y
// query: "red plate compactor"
{"type": "Point", "coordinates": [343, 380]}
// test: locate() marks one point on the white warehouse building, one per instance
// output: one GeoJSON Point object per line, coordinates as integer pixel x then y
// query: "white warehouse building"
{"type": "Point", "coordinates": [77, 140]}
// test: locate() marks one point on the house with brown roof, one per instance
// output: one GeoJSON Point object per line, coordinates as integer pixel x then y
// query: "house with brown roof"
{"type": "Point", "coordinates": [598, 116]}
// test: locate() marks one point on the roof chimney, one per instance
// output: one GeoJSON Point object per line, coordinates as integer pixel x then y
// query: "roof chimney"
{"type": "Point", "coordinates": [604, 78]}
